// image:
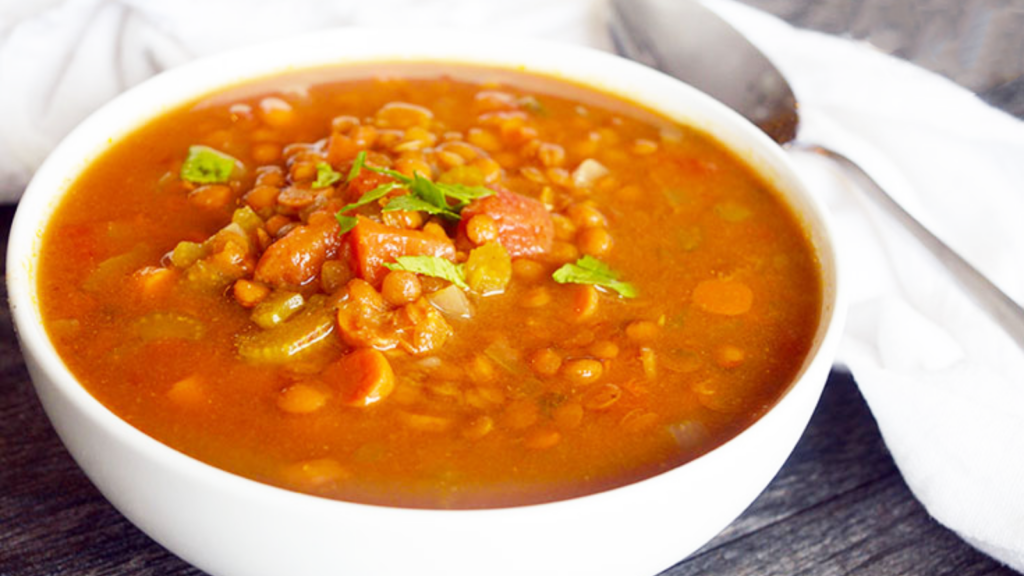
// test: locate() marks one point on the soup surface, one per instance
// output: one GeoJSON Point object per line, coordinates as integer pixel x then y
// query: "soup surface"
{"type": "Point", "coordinates": [429, 287]}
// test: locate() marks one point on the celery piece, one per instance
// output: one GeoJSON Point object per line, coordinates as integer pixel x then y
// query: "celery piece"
{"type": "Point", "coordinates": [278, 307]}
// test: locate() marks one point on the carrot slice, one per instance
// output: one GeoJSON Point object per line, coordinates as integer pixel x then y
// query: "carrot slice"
{"type": "Point", "coordinates": [524, 226]}
{"type": "Point", "coordinates": [295, 260]}
{"type": "Point", "coordinates": [375, 245]}
{"type": "Point", "coordinates": [726, 297]}
{"type": "Point", "coordinates": [362, 377]}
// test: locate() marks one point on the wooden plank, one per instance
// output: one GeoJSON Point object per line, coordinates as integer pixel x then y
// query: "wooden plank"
{"type": "Point", "coordinates": [875, 529]}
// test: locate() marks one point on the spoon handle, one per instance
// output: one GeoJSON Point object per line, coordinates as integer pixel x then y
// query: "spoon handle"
{"type": "Point", "coordinates": [1000, 307]}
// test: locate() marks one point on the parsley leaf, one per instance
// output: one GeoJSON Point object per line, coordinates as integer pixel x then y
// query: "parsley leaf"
{"type": "Point", "coordinates": [347, 223]}
{"type": "Point", "coordinates": [414, 203]}
{"type": "Point", "coordinates": [424, 195]}
{"type": "Point", "coordinates": [204, 165]}
{"type": "Point", "coordinates": [357, 166]}
{"type": "Point", "coordinates": [463, 194]}
{"type": "Point", "coordinates": [371, 196]}
{"type": "Point", "coordinates": [590, 270]}
{"type": "Point", "coordinates": [431, 266]}
{"type": "Point", "coordinates": [428, 192]}
{"type": "Point", "coordinates": [325, 175]}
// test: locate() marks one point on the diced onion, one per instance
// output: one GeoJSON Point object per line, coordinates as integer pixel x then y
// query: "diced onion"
{"type": "Point", "coordinates": [452, 302]}
{"type": "Point", "coordinates": [588, 172]}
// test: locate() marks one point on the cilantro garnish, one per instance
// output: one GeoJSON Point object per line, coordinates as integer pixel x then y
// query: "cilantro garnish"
{"type": "Point", "coordinates": [204, 165]}
{"type": "Point", "coordinates": [424, 196]}
{"type": "Point", "coordinates": [431, 266]}
{"type": "Point", "coordinates": [347, 223]}
{"type": "Point", "coordinates": [357, 166]}
{"type": "Point", "coordinates": [371, 196]}
{"type": "Point", "coordinates": [325, 175]}
{"type": "Point", "coordinates": [590, 270]}
{"type": "Point", "coordinates": [416, 204]}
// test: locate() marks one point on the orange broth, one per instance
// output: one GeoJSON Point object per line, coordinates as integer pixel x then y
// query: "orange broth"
{"type": "Point", "coordinates": [545, 391]}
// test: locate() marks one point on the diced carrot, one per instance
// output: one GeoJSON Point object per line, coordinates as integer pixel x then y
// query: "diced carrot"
{"type": "Point", "coordinates": [301, 399]}
{"type": "Point", "coordinates": [524, 226]}
{"type": "Point", "coordinates": [276, 222]}
{"type": "Point", "coordinates": [187, 392]}
{"type": "Point", "coordinates": [295, 259]}
{"type": "Point", "coordinates": [362, 377]}
{"type": "Point", "coordinates": [153, 280]}
{"type": "Point", "coordinates": [374, 244]}
{"type": "Point", "coordinates": [315, 474]}
{"type": "Point", "coordinates": [249, 293]}
{"type": "Point", "coordinates": [726, 297]}
{"type": "Point", "coordinates": [211, 196]}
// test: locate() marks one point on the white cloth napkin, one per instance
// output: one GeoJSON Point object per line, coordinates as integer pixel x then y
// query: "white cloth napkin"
{"type": "Point", "coordinates": [945, 385]}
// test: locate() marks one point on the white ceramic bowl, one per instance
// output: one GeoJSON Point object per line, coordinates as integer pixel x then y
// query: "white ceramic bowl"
{"type": "Point", "coordinates": [227, 525]}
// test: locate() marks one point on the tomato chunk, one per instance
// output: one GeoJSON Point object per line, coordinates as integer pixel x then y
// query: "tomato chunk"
{"type": "Point", "coordinates": [365, 181]}
{"type": "Point", "coordinates": [362, 377]}
{"type": "Point", "coordinates": [295, 259]}
{"type": "Point", "coordinates": [524, 225]}
{"type": "Point", "coordinates": [374, 244]}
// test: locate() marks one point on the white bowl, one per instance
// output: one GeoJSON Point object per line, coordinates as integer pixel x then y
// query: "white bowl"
{"type": "Point", "coordinates": [228, 525]}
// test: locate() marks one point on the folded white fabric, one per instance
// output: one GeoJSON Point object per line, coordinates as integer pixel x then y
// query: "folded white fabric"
{"type": "Point", "coordinates": [945, 385]}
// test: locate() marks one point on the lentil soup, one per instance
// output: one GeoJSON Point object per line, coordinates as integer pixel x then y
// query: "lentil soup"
{"type": "Point", "coordinates": [426, 286]}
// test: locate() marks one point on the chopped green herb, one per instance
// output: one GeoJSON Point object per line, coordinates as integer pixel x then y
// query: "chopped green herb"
{"type": "Point", "coordinates": [590, 270]}
{"type": "Point", "coordinates": [325, 175]}
{"type": "Point", "coordinates": [428, 191]}
{"type": "Point", "coordinates": [414, 203]}
{"type": "Point", "coordinates": [431, 266]}
{"type": "Point", "coordinates": [347, 223]}
{"type": "Point", "coordinates": [371, 196]}
{"type": "Point", "coordinates": [464, 194]}
{"type": "Point", "coordinates": [424, 195]}
{"type": "Point", "coordinates": [357, 166]}
{"type": "Point", "coordinates": [204, 165]}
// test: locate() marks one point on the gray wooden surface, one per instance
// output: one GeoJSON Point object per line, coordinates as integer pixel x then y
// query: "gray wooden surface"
{"type": "Point", "coordinates": [838, 506]}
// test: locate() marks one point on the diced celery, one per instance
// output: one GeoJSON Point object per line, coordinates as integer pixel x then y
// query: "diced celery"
{"type": "Point", "coordinates": [277, 308]}
{"type": "Point", "coordinates": [303, 334]}
{"type": "Point", "coordinates": [247, 219]}
{"type": "Point", "coordinates": [206, 277]}
{"type": "Point", "coordinates": [115, 267]}
{"type": "Point", "coordinates": [186, 254]}
{"type": "Point", "coordinates": [164, 325]}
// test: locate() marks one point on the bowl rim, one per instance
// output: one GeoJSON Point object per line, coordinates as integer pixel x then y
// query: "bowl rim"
{"type": "Point", "coordinates": [108, 125]}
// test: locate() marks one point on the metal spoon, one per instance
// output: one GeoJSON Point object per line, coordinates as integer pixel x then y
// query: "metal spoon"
{"type": "Point", "coordinates": [692, 43]}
